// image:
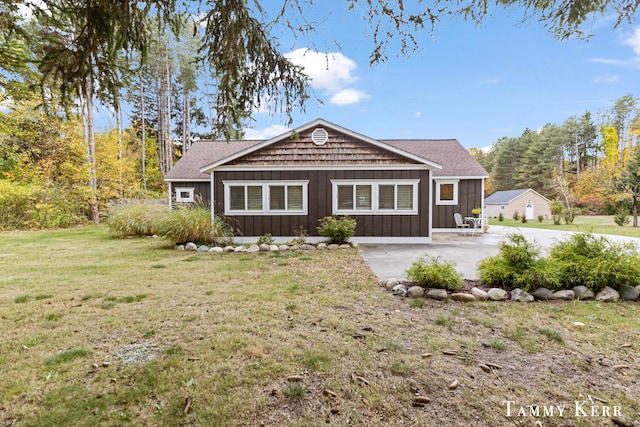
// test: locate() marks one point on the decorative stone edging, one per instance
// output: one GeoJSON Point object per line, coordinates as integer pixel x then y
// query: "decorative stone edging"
{"type": "Point", "coordinates": [403, 288]}
{"type": "Point", "coordinates": [192, 247]}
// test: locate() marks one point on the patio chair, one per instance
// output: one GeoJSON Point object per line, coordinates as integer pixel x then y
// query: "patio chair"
{"type": "Point", "coordinates": [460, 224]}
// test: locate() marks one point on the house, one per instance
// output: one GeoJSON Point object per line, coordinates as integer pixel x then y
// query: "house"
{"type": "Point", "coordinates": [398, 191]}
{"type": "Point", "coordinates": [525, 201]}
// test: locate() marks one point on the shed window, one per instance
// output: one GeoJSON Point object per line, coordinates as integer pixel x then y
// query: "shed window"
{"type": "Point", "coordinates": [375, 197]}
{"type": "Point", "coordinates": [265, 197]}
{"type": "Point", "coordinates": [447, 192]}
{"type": "Point", "coordinates": [185, 194]}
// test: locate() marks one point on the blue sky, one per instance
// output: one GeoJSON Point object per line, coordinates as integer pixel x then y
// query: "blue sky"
{"type": "Point", "coordinates": [475, 84]}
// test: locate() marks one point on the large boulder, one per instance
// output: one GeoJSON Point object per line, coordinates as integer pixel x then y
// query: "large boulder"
{"type": "Point", "coordinates": [542, 294]}
{"type": "Point", "coordinates": [415, 292]}
{"type": "Point", "coordinates": [498, 294]}
{"type": "Point", "coordinates": [608, 295]}
{"type": "Point", "coordinates": [191, 247]}
{"type": "Point", "coordinates": [566, 294]}
{"type": "Point", "coordinates": [479, 294]}
{"type": "Point", "coordinates": [629, 293]}
{"type": "Point", "coordinates": [462, 297]}
{"type": "Point", "coordinates": [583, 293]}
{"type": "Point", "coordinates": [439, 294]}
{"type": "Point", "coordinates": [389, 284]}
{"type": "Point", "coordinates": [521, 296]}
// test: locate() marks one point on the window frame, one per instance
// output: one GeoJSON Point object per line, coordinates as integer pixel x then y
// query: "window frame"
{"type": "Point", "coordinates": [375, 192]}
{"type": "Point", "coordinates": [188, 199]}
{"type": "Point", "coordinates": [439, 183]}
{"type": "Point", "coordinates": [265, 185]}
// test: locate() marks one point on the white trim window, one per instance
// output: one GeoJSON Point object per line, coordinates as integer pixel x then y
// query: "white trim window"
{"type": "Point", "coordinates": [447, 192]}
{"type": "Point", "coordinates": [380, 197]}
{"type": "Point", "coordinates": [265, 197]}
{"type": "Point", "coordinates": [185, 194]}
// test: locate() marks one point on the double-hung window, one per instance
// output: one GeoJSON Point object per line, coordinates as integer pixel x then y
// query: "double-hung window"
{"type": "Point", "coordinates": [265, 197]}
{"type": "Point", "coordinates": [375, 197]}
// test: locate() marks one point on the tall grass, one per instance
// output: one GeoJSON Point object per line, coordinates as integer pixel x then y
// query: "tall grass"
{"type": "Point", "coordinates": [135, 219]}
{"type": "Point", "coordinates": [192, 224]}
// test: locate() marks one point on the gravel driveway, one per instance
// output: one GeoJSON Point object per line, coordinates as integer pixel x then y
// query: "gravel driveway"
{"type": "Point", "coordinates": [388, 261]}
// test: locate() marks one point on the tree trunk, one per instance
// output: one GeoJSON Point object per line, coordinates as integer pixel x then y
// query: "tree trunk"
{"type": "Point", "coordinates": [144, 137]}
{"type": "Point", "coordinates": [634, 208]}
{"type": "Point", "coordinates": [90, 139]}
{"type": "Point", "coordinates": [120, 149]}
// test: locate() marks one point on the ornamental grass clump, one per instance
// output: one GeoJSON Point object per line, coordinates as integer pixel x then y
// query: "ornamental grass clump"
{"type": "Point", "coordinates": [192, 224]}
{"type": "Point", "coordinates": [518, 265]}
{"type": "Point", "coordinates": [134, 219]}
{"type": "Point", "coordinates": [431, 272]}
{"type": "Point", "coordinates": [595, 262]}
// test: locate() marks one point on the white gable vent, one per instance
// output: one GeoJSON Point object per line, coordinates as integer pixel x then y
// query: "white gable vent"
{"type": "Point", "coordinates": [319, 136]}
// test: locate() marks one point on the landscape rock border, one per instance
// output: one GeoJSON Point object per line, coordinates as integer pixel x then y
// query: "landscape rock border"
{"type": "Point", "coordinates": [192, 247]}
{"type": "Point", "coordinates": [407, 289]}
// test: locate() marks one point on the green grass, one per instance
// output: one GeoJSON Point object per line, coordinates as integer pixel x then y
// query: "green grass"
{"type": "Point", "coordinates": [588, 224]}
{"type": "Point", "coordinates": [226, 334]}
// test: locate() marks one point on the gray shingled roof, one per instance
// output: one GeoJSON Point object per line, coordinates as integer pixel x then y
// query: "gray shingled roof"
{"type": "Point", "coordinates": [504, 197]}
{"type": "Point", "coordinates": [454, 158]}
{"type": "Point", "coordinates": [203, 153]}
{"type": "Point", "coordinates": [456, 161]}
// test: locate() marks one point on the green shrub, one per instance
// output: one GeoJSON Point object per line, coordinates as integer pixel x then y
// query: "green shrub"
{"type": "Point", "coordinates": [595, 262]}
{"type": "Point", "coordinates": [621, 218]}
{"type": "Point", "coordinates": [569, 214]}
{"type": "Point", "coordinates": [134, 219]}
{"type": "Point", "coordinates": [337, 230]}
{"type": "Point", "coordinates": [556, 211]}
{"type": "Point", "coordinates": [192, 224]}
{"type": "Point", "coordinates": [540, 218]}
{"type": "Point", "coordinates": [433, 273]}
{"type": "Point", "coordinates": [265, 239]}
{"type": "Point", "coordinates": [523, 219]}
{"type": "Point", "coordinates": [29, 206]}
{"type": "Point", "coordinates": [501, 217]}
{"type": "Point", "coordinates": [517, 265]}
{"type": "Point", "coordinates": [516, 216]}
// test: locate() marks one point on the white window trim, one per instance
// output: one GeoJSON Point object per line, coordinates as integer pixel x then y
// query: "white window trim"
{"type": "Point", "coordinates": [374, 196]}
{"type": "Point", "coordinates": [455, 191]}
{"type": "Point", "coordinates": [188, 199]}
{"type": "Point", "coordinates": [265, 198]}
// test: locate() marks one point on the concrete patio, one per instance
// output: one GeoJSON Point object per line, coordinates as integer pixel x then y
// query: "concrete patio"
{"type": "Point", "coordinates": [464, 250]}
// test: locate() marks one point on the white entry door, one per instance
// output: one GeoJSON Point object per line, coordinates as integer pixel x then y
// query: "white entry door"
{"type": "Point", "coordinates": [528, 212]}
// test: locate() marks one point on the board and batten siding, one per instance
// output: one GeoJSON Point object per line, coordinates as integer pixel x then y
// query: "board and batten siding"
{"type": "Point", "coordinates": [469, 196]}
{"type": "Point", "coordinates": [320, 204]}
{"type": "Point", "coordinates": [200, 190]}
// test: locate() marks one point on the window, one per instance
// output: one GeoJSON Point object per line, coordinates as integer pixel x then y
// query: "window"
{"type": "Point", "coordinates": [265, 197]}
{"type": "Point", "coordinates": [184, 194]}
{"type": "Point", "coordinates": [447, 192]}
{"type": "Point", "coordinates": [375, 197]}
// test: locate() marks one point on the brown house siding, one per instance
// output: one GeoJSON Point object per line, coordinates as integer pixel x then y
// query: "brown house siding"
{"type": "Point", "coordinates": [201, 191]}
{"type": "Point", "coordinates": [319, 204]}
{"type": "Point", "coordinates": [469, 196]}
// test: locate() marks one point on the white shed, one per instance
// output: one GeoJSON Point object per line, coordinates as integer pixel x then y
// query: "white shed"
{"type": "Point", "coordinates": [526, 202]}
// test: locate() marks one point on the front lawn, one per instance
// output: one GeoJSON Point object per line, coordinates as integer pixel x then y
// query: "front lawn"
{"type": "Point", "coordinates": [103, 331]}
{"type": "Point", "coordinates": [589, 224]}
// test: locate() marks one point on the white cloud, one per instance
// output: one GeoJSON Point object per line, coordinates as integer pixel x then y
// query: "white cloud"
{"type": "Point", "coordinates": [348, 97]}
{"type": "Point", "coordinates": [608, 61]}
{"type": "Point", "coordinates": [265, 133]}
{"type": "Point", "coordinates": [490, 82]}
{"type": "Point", "coordinates": [331, 73]}
{"type": "Point", "coordinates": [634, 41]}
{"type": "Point", "coordinates": [606, 78]}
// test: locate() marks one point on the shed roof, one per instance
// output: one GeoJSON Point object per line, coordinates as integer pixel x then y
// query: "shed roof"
{"type": "Point", "coordinates": [507, 196]}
